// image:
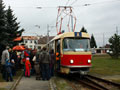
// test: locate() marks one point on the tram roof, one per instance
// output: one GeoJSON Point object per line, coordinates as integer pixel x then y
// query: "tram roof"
{"type": "Point", "coordinates": [72, 34]}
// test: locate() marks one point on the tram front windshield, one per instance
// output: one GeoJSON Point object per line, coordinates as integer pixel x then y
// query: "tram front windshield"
{"type": "Point", "coordinates": [76, 44]}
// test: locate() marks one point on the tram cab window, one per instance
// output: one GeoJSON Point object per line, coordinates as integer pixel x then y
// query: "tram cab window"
{"type": "Point", "coordinates": [75, 44]}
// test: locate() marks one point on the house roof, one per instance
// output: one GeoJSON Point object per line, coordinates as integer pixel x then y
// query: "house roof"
{"type": "Point", "coordinates": [29, 37]}
{"type": "Point", "coordinates": [18, 39]}
{"type": "Point", "coordinates": [43, 40]}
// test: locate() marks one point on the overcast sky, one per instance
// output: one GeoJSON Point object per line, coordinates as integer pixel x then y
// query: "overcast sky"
{"type": "Point", "coordinates": [100, 17]}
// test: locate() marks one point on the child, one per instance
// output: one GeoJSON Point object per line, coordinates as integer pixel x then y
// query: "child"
{"type": "Point", "coordinates": [13, 67]}
{"type": "Point", "coordinates": [27, 67]}
{"type": "Point", "coordinates": [8, 70]}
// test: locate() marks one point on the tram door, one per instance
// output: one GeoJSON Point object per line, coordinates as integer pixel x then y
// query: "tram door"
{"type": "Point", "coordinates": [57, 55]}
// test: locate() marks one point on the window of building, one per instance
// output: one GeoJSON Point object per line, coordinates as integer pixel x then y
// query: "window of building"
{"type": "Point", "coordinates": [25, 41]}
{"type": "Point", "coordinates": [31, 41]}
{"type": "Point", "coordinates": [35, 41]}
{"type": "Point", "coordinates": [31, 46]}
{"type": "Point", "coordinates": [39, 47]}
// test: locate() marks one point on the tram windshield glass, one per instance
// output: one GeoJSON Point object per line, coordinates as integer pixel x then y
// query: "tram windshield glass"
{"type": "Point", "coordinates": [76, 44]}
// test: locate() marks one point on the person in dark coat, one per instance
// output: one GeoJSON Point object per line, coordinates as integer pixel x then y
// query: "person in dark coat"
{"type": "Point", "coordinates": [52, 62]}
{"type": "Point", "coordinates": [45, 61]}
{"type": "Point", "coordinates": [32, 54]}
{"type": "Point", "coordinates": [15, 58]}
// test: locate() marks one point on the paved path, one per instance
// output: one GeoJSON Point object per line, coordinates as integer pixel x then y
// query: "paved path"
{"type": "Point", "coordinates": [32, 84]}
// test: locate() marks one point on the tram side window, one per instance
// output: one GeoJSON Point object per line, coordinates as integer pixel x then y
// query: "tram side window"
{"type": "Point", "coordinates": [64, 44]}
{"type": "Point", "coordinates": [58, 46]}
{"type": "Point", "coordinates": [51, 46]}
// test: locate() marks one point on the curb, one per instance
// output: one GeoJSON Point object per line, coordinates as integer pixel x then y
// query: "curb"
{"type": "Point", "coordinates": [17, 81]}
{"type": "Point", "coordinates": [52, 85]}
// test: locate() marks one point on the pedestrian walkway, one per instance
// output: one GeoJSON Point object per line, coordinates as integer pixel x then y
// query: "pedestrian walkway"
{"type": "Point", "coordinates": [27, 83]}
{"type": "Point", "coordinates": [6, 85]}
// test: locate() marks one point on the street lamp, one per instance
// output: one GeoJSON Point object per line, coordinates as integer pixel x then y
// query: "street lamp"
{"type": "Point", "coordinates": [49, 31]}
{"type": "Point", "coordinates": [39, 7]}
{"type": "Point", "coordinates": [37, 26]}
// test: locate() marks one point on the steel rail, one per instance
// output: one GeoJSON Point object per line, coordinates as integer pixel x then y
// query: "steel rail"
{"type": "Point", "coordinates": [107, 81]}
{"type": "Point", "coordinates": [96, 84]}
{"type": "Point", "coordinates": [86, 82]}
{"type": "Point", "coordinates": [91, 84]}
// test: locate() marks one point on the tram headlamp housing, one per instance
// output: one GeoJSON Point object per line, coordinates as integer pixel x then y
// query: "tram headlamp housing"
{"type": "Point", "coordinates": [89, 61]}
{"type": "Point", "coordinates": [71, 61]}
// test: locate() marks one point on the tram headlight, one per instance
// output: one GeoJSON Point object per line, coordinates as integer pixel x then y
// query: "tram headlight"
{"type": "Point", "coordinates": [71, 61]}
{"type": "Point", "coordinates": [89, 61]}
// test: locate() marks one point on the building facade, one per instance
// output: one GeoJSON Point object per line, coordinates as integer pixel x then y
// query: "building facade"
{"type": "Point", "coordinates": [30, 41]}
{"type": "Point", "coordinates": [43, 41]}
{"type": "Point", "coordinates": [35, 42]}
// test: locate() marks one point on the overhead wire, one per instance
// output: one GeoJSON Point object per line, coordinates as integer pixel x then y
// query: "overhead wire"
{"type": "Point", "coordinates": [38, 7]}
{"type": "Point", "coordinates": [97, 3]}
{"type": "Point", "coordinates": [73, 2]}
{"type": "Point", "coordinates": [106, 1]}
{"type": "Point", "coordinates": [88, 4]}
{"type": "Point", "coordinates": [67, 2]}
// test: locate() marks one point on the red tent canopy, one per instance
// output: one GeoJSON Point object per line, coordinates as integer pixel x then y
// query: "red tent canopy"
{"type": "Point", "coordinates": [19, 47]}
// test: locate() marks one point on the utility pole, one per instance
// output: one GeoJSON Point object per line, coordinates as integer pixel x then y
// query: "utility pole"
{"type": "Point", "coordinates": [103, 39]}
{"type": "Point", "coordinates": [47, 33]}
{"type": "Point", "coordinates": [48, 30]}
{"type": "Point", "coordinates": [103, 43]}
{"type": "Point", "coordinates": [38, 26]}
{"type": "Point", "coordinates": [116, 30]}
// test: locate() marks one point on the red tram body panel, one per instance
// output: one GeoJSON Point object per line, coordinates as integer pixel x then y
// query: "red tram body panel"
{"type": "Point", "coordinates": [79, 60]}
{"type": "Point", "coordinates": [80, 63]}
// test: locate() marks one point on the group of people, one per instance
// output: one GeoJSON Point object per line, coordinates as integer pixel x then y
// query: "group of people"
{"type": "Point", "coordinates": [8, 65]}
{"type": "Point", "coordinates": [42, 62]}
{"type": "Point", "coordinates": [39, 63]}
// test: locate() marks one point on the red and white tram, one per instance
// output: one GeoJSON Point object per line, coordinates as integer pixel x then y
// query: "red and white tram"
{"type": "Point", "coordinates": [73, 53]}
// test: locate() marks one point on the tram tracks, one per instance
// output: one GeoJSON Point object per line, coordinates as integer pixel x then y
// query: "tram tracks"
{"type": "Point", "coordinates": [109, 85]}
{"type": "Point", "coordinates": [91, 83]}
{"type": "Point", "coordinates": [98, 83]}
